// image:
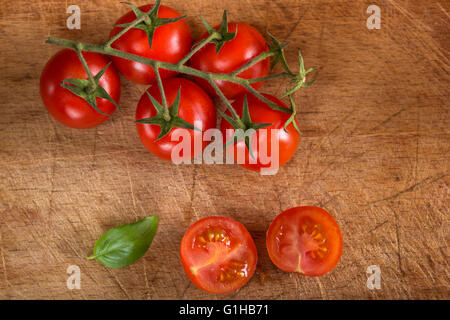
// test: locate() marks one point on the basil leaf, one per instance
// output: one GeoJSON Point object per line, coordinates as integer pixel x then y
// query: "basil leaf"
{"type": "Point", "coordinates": [123, 245]}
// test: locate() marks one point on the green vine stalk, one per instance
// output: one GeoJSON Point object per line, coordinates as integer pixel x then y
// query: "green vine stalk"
{"type": "Point", "coordinates": [276, 52]}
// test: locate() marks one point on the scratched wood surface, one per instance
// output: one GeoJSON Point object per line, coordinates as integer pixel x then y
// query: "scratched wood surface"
{"type": "Point", "coordinates": [375, 153]}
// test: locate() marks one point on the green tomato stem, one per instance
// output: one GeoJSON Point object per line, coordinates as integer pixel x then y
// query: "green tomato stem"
{"type": "Point", "coordinates": [92, 82]}
{"type": "Point", "coordinates": [274, 76]}
{"type": "Point", "coordinates": [208, 76]}
{"type": "Point", "coordinates": [227, 103]}
{"type": "Point", "coordinates": [166, 114]}
{"type": "Point", "coordinates": [124, 30]}
{"type": "Point", "coordinates": [201, 44]}
{"type": "Point", "coordinates": [252, 62]}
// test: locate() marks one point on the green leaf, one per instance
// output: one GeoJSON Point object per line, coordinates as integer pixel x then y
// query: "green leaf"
{"type": "Point", "coordinates": [300, 79]}
{"type": "Point", "coordinates": [159, 108]}
{"type": "Point", "coordinates": [291, 119]}
{"type": "Point", "coordinates": [173, 121]}
{"type": "Point", "coordinates": [101, 72]}
{"type": "Point", "coordinates": [278, 48]}
{"type": "Point", "coordinates": [102, 93]}
{"type": "Point", "coordinates": [151, 22]}
{"type": "Point", "coordinates": [135, 9]}
{"type": "Point", "coordinates": [250, 127]}
{"type": "Point", "coordinates": [165, 129]}
{"type": "Point", "coordinates": [124, 245]}
{"type": "Point", "coordinates": [207, 26]}
{"type": "Point", "coordinates": [173, 110]}
{"type": "Point", "coordinates": [223, 34]}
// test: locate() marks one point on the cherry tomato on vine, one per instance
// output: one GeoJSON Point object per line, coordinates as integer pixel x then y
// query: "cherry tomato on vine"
{"type": "Point", "coordinates": [195, 107]}
{"type": "Point", "coordinates": [68, 108]}
{"type": "Point", "coordinates": [247, 44]}
{"type": "Point", "coordinates": [305, 240]}
{"type": "Point", "coordinates": [170, 43]}
{"type": "Point", "coordinates": [263, 154]}
{"type": "Point", "coordinates": [218, 254]}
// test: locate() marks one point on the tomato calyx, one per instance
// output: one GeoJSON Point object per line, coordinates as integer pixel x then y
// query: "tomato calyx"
{"type": "Point", "coordinates": [278, 53]}
{"type": "Point", "coordinates": [167, 118]}
{"type": "Point", "coordinates": [300, 78]}
{"type": "Point", "coordinates": [148, 21]}
{"type": "Point", "coordinates": [244, 127]}
{"type": "Point", "coordinates": [222, 35]}
{"type": "Point", "coordinates": [89, 89]}
{"type": "Point", "coordinates": [291, 118]}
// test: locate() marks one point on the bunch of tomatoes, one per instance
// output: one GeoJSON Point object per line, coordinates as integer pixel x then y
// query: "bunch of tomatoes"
{"type": "Point", "coordinates": [218, 254]}
{"type": "Point", "coordinates": [170, 43]}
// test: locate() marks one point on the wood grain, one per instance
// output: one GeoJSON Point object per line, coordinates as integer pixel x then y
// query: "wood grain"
{"type": "Point", "coordinates": [375, 153]}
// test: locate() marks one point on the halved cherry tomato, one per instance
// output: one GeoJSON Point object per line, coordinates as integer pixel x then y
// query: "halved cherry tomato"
{"type": "Point", "coordinates": [170, 43]}
{"type": "Point", "coordinates": [260, 112]}
{"type": "Point", "coordinates": [195, 106]}
{"type": "Point", "coordinates": [68, 108]}
{"type": "Point", "coordinates": [247, 44]}
{"type": "Point", "coordinates": [305, 240]}
{"type": "Point", "coordinates": [218, 254]}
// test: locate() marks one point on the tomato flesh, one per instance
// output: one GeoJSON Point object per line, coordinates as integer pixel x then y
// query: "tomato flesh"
{"type": "Point", "coordinates": [218, 254]}
{"type": "Point", "coordinates": [306, 240]}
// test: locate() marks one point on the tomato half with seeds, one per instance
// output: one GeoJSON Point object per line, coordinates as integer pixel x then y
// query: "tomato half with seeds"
{"type": "Point", "coordinates": [218, 254]}
{"type": "Point", "coordinates": [306, 240]}
{"type": "Point", "coordinates": [246, 45]}
{"type": "Point", "coordinates": [170, 43]}
{"type": "Point", "coordinates": [68, 108]}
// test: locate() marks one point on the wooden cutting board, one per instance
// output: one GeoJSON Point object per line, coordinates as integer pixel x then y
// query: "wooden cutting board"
{"type": "Point", "coordinates": [375, 153]}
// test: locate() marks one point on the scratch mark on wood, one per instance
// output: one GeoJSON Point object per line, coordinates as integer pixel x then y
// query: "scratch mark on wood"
{"type": "Point", "coordinates": [378, 226]}
{"type": "Point", "coordinates": [427, 180]}
{"type": "Point", "coordinates": [397, 235]}
{"type": "Point", "coordinates": [147, 287]}
{"type": "Point", "coordinates": [122, 288]}
{"type": "Point", "coordinates": [387, 120]}
{"type": "Point", "coordinates": [323, 294]}
{"type": "Point", "coordinates": [295, 25]}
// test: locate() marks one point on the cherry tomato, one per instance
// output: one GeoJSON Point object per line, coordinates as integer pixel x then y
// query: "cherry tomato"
{"type": "Point", "coordinates": [195, 105]}
{"type": "Point", "coordinates": [170, 43]}
{"type": "Point", "coordinates": [305, 240]}
{"type": "Point", "coordinates": [260, 112]}
{"type": "Point", "coordinates": [218, 254]}
{"type": "Point", "coordinates": [68, 108]}
{"type": "Point", "coordinates": [247, 44]}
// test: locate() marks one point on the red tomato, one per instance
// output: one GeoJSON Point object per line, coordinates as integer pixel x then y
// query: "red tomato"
{"type": "Point", "coordinates": [305, 240]}
{"type": "Point", "coordinates": [247, 44]}
{"type": "Point", "coordinates": [218, 254]}
{"type": "Point", "coordinates": [195, 105]}
{"type": "Point", "coordinates": [170, 43]}
{"type": "Point", "coordinates": [68, 108]}
{"type": "Point", "coordinates": [260, 112]}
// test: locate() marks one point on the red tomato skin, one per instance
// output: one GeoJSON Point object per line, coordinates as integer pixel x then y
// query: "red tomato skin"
{"type": "Point", "coordinates": [171, 42]}
{"type": "Point", "coordinates": [309, 266]}
{"type": "Point", "coordinates": [260, 112]}
{"type": "Point", "coordinates": [195, 105]}
{"type": "Point", "coordinates": [68, 108]}
{"type": "Point", "coordinates": [235, 229]}
{"type": "Point", "coordinates": [247, 44]}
